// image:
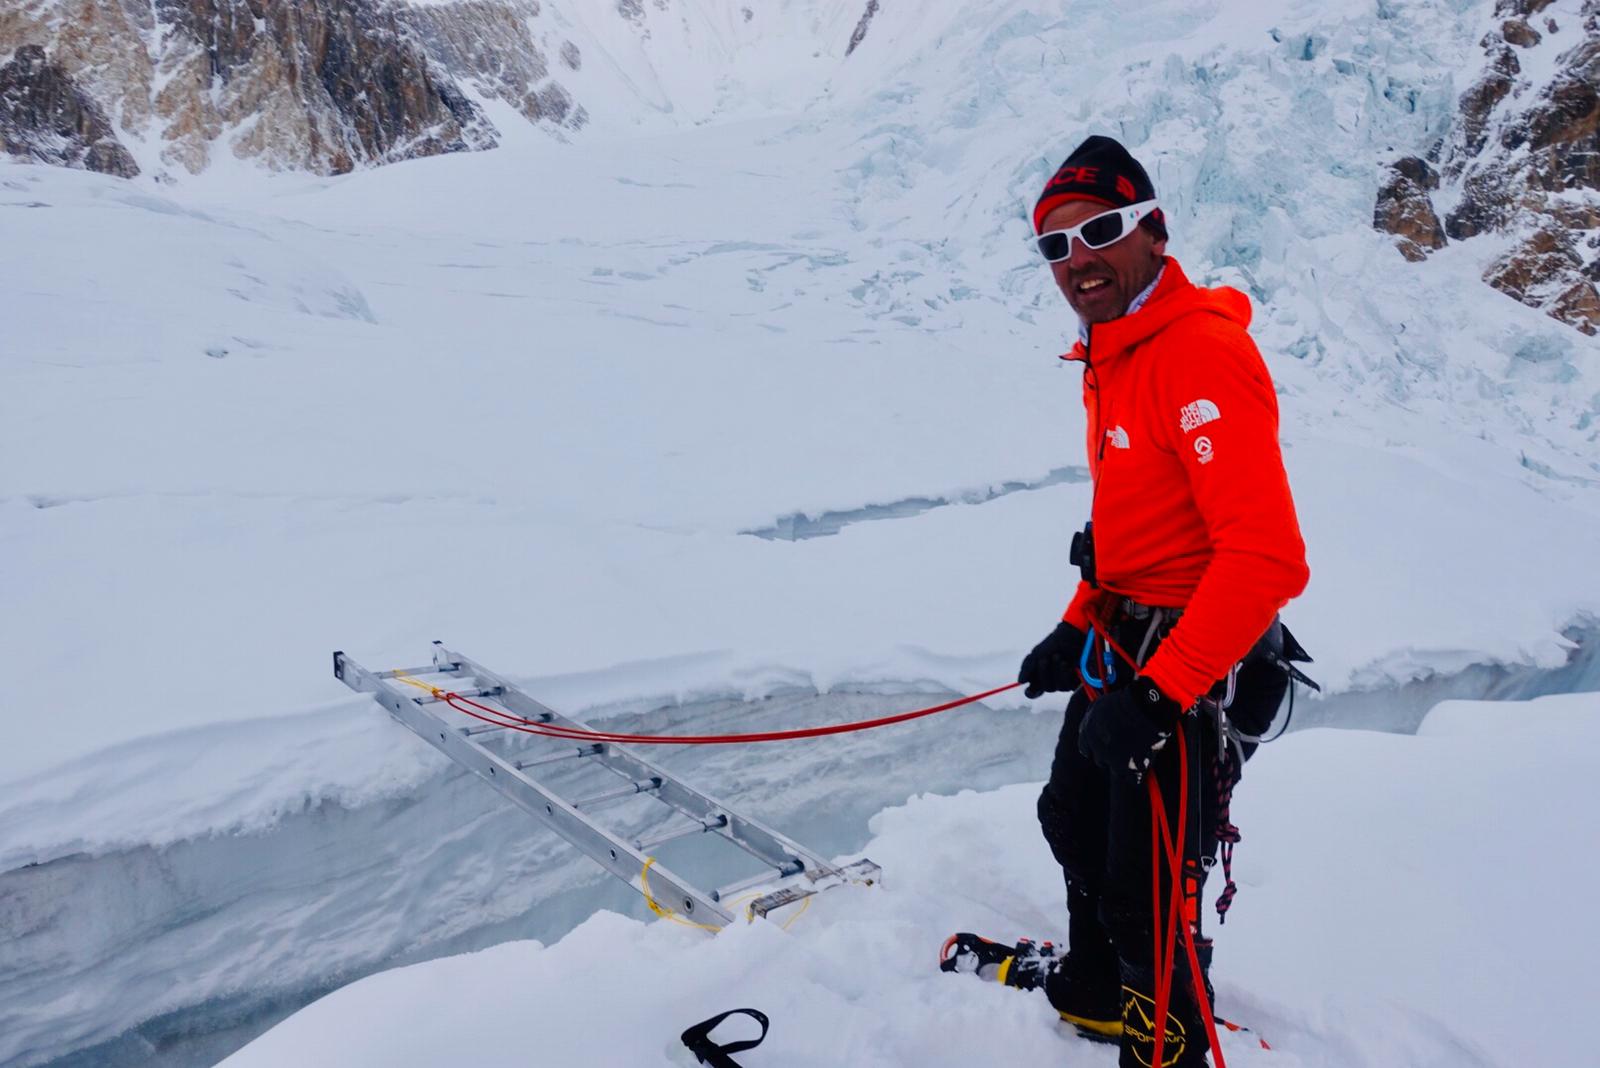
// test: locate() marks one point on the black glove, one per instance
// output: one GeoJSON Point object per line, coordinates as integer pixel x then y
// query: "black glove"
{"type": "Point", "coordinates": [1124, 730]}
{"type": "Point", "coordinates": [1052, 667]}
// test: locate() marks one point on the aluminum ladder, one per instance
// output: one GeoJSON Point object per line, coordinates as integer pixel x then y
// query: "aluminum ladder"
{"type": "Point", "coordinates": [791, 872]}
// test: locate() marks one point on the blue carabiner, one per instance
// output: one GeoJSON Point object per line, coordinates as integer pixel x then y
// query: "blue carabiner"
{"type": "Point", "coordinates": [1107, 657]}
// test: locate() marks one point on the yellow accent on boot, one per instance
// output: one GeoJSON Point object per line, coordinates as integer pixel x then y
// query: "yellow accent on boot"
{"type": "Point", "coordinates": [1139, 1030]}
{"type": "Point", "coordinates": [1003, 971]}
{"type": "Point", "coordinates": [1104, 1028]}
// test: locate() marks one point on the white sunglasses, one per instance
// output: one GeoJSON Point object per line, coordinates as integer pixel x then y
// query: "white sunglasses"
{"type": "Point", "coordinates": [1096, 232]}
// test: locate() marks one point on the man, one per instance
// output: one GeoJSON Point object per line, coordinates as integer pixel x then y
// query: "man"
{"type": "Point", "coordinates": [1193, 548]}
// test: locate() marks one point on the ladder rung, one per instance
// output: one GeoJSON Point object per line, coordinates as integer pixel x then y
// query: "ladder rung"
{"type": "Point", "coordinates": [794, 867]}
{"type": "Point", "coordinates": [633, 789]}
{"type": "Point", "coordinates": [580, 751]}
{"type": "Point", "coordinates": [697, 827]}
{"type": "Point", "coordinates": [413, 672]}
{"type": "Point", "coordinates": [485, 728]}
{"type": "Point", "coordinates": [471, 691]}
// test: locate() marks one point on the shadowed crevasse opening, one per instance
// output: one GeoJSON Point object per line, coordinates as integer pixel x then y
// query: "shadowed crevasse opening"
{"type": "Point", "coordinates": [797, 526]}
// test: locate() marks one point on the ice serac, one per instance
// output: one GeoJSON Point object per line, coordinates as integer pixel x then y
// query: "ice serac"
{"type": "Point", "coordinates": [1523, 162]}
{"type": "Point", "coordinates": [45, 116]}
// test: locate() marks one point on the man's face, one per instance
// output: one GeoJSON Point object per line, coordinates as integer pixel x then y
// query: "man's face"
{"type": "Point", "coordinates": [1100, 284]}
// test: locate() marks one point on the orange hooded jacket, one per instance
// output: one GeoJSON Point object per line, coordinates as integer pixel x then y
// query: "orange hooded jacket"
{"type": "Point", "coordinates": [1191, 503]}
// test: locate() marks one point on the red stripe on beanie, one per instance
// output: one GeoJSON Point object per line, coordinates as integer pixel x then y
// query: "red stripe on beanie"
{"type": "Point", "coordinates": [1050, 203]}
{"type": "Point", "coordinates": [1100, 170]}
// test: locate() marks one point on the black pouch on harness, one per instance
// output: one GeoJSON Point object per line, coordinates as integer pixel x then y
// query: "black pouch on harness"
{"type": "Point", "coordinates": [1263, 681]}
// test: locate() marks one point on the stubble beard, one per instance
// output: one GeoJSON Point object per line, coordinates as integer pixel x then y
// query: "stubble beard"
{"type": "Point", "coordinates": [1111, 300]}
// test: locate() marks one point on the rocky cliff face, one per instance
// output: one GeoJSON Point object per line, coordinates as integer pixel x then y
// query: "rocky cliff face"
{"type": "Point", "coordinates": [317, 85]}
{"type": "Point", "coordinates": [488, 43]}
{"type": "Point", "coordinates": [1522, 161]}
{"type": "Point", "coordinates": [46, 116]}
{"type": "Point", "coordinates": [1405, 208]}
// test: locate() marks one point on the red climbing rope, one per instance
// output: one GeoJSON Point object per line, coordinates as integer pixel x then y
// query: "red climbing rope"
{"type": "Point", "coordinates": [1165, 948]}
{"type": "Point", "coordinates": [509, 721]}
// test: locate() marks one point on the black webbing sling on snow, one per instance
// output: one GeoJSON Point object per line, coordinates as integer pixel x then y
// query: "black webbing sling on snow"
{"type": "Point", "coordinates": [698, 1039]}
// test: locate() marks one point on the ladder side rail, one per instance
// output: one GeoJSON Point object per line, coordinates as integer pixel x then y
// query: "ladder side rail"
{"type": "Point", "coordinates": [760, 840]}
{"type": "Point", "coordinates": [612, 853]}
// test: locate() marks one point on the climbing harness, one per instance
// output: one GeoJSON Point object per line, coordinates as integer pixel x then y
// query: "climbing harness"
{"type": "Point", "coordinates": [1280, 650]}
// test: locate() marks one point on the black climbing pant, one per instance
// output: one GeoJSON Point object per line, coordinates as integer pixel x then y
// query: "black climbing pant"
{"type": "Point", "coordinates": [1098, 827]}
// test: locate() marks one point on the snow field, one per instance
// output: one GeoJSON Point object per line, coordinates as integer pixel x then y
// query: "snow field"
{"type": "Point", "coordinates": [557, 483]}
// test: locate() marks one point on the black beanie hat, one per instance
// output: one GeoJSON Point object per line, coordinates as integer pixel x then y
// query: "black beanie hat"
{"type": "Point", "coordinates": [1100, 169]}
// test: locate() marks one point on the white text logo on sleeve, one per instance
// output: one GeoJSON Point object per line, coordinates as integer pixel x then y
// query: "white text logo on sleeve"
{"type": "Point", "coordinates": [1197, 414]}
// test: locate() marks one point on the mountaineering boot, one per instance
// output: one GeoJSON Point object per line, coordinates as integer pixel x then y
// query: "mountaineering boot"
{"type": "Point", "coordinates": [1079, 995]}
{"type": "Point", "coordinates": [1087, 998]}
{"type": "Point", "coordinates": [1087, 990]}
{"type": "Point", "coordinates": [1184, 1041]}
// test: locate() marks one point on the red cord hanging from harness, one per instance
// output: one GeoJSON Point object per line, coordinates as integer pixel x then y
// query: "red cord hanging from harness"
{"type": "Point", "coordinates": [1184, 898]}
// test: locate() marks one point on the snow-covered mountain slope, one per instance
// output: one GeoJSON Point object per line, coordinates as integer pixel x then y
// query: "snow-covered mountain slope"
{"type": "Point", "coordinates": [1405, 901]}
{"type": "Point", "coordinates": [527, 400]}
{"type": "Point", "coordinates": [329, 86]}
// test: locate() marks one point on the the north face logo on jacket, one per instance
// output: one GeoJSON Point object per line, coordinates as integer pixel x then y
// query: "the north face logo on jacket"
{"type": "Point", "coordinates": [1118, 437]}
{"type": "Point", "coordinates": [1196, 414]}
